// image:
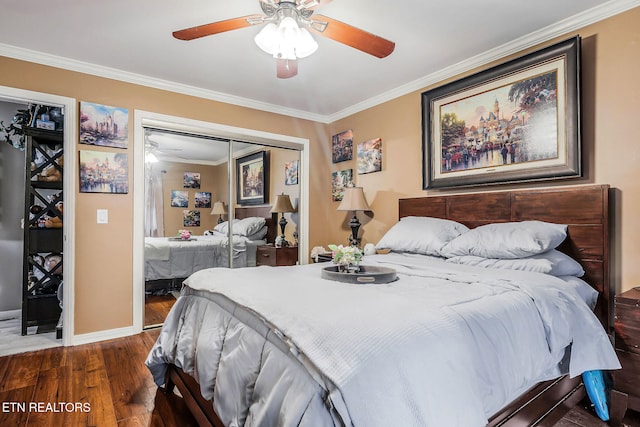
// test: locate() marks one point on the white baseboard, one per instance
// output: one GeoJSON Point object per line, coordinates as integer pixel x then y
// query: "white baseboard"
{"type": "Point", "coordinates": [10, 314]}
{"type": "Point", "coordinates": [103, 335]}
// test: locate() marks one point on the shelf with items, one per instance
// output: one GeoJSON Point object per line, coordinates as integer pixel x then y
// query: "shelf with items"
{"type": "Point", "coordinates": [43, 228]}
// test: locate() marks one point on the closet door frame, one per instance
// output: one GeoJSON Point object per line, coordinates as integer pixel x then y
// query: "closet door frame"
{"type": "Point", "coordinates": [146, 119]}
{"type": "Point", "coordinates": [68, 188]}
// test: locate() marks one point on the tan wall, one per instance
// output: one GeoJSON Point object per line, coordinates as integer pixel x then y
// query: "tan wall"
{"type": "Point", "coordinates": [611, 153]}
{"type": "Point", "coordinates": [611, 98]}
{"type": "Point", "coordinates": [104, 251]}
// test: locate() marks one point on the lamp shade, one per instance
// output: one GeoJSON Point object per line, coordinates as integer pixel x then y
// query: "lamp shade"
{"type": "Point", "coordinates": [218, 209]}
{"type": "Point", "coordinates": [283, 204]}
{"type": "Point", "coordinates": [353, 200]}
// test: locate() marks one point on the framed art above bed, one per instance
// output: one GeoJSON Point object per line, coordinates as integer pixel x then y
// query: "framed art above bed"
{"type": "Point", "coordinates": [518, 121]}
{"type": "Point", "coordinates": [252, 179]}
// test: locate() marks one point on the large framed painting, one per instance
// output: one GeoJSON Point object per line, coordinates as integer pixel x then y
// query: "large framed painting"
{"type": "Point", "coordinates": [252, 179]}
{"type": "Point", "coordinates": [518, 121]}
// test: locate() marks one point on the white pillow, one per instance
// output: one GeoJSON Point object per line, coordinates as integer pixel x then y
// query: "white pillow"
{"type": "Point", "coordinates": [508, 240]}
{"type": "Point", "coordinates": [422, 235]}
{"type": "Point", "coordinates": [242, 227]}
{"type": "Point", "coordinates": [248, 226]}
{"type": "Point", "coordinates": [223, 227]}
{"type": "Point", "coordinates": [259, 235]}
{"type": "Point", "coordinates": [552, 262]}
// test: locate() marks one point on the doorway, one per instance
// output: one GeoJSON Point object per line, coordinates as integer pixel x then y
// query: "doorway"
{"type": "Point", "coordinates": [68, 106]}
{"type": "Point", "coordinates": [146, 120]}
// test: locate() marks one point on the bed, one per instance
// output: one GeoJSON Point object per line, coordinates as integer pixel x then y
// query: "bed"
{"type": "Point", "coordinates": [300, 350]}
{"type": "Point", "coordinates": [169, 260]}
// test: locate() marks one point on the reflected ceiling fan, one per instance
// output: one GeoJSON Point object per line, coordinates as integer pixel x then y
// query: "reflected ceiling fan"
{"type": "Point", "coordinates": [286, 34]}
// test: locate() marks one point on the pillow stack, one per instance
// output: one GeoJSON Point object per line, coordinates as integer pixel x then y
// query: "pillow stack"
{"type": "Point", "coordinates": [524, 245]}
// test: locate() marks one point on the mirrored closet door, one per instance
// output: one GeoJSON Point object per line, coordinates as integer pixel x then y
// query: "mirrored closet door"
{"type": "Point", "coordinates": [202, 193]}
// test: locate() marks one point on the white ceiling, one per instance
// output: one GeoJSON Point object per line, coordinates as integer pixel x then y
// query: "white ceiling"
{"type": "Point", "coordinates": [132, 41]}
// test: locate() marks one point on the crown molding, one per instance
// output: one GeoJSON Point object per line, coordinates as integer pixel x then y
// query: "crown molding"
{"type": "Point", "coordinates": [47, 59]}
{"type": "Point", "coordinates": [535, 38]}
{"type": "Point", "coordinates": [565, 26]}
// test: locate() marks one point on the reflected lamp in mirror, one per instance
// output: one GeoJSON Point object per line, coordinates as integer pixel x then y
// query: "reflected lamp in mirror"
{"type": "Point", "coordinates": [353, 200]}
{"type": "Point", "coordinates": [282, 205]}
{"type": "Point", "coordinates": [218, 209]}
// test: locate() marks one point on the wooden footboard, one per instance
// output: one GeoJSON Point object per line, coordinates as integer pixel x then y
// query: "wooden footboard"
{"type": "Point", "coordinates": [200, 408]}
{"type": "Point", "coordinates": [540, 406]}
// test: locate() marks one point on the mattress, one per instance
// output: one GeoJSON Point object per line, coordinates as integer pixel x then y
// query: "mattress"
{"type": "Point", "coordinates": [281, 346]}
{"type": "Point", "coordinates": [168, 258]}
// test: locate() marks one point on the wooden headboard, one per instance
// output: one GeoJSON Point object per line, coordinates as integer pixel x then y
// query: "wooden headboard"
{"type": "Point", "coordinates": [584, 209]}
{"type": "Point", "coordinates": [264, 212]}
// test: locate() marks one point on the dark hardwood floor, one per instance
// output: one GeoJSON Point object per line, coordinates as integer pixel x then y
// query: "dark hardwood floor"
{"type": "Point", "coordinates": [156, 308]}
{"type": "Point", "coordinates": [111, 380]}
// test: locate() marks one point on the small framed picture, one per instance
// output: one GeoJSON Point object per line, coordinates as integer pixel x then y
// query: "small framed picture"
{"type": "Point", "coordinates": [191, 180]}
{"type": "Point", "coordinates": [190, 218]}
{"type": "Point", "coordinates": [342, 146]}
{"type": "Point", "coordinates": [370, 156]}
{"type": "Point", "coordinates": [179, 199]}
{"type": "Point", "coordinates": [291, 172]}
{"type": "Point", "coordinates": [203, 199]}
{"type": "Point", "coordinates": [104, 172]}
{"type": "Point", "coordinates": [340, 180]}
{"type": "Point", "coordinates": [104, 125]}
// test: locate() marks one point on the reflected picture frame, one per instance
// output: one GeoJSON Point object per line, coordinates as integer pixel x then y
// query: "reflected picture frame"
{"type": "Point", "coordinates": [252, 179]}
{"type": "Point", "coordinates": [515, 122]}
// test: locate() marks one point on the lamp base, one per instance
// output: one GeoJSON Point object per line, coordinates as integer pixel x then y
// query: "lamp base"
{"type": "Point", "coordinates": [354, 240]}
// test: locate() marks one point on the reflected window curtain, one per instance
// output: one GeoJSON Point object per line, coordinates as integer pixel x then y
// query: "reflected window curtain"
{"type": "Point", "coordinates": [153, 206]}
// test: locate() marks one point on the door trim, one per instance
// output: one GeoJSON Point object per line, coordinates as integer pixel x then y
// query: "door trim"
{"type": "Point", "coordinates": [68, 188]}
{"type": "Point", "coordinates": [144, 119]}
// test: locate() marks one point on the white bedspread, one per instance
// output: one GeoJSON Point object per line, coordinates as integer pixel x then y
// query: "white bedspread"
{"type": "Point", "coordinates": [167, 258]}
{"type": "Point", "coordinates": [408, 352]}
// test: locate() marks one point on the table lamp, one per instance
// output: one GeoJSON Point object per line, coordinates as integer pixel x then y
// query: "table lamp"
{"type": "Point", "coordinates": [218, 209]}
{"type": "Point", "coordinates": [353, 200]}
{"type": "Point", "coordinates": [282, 205]}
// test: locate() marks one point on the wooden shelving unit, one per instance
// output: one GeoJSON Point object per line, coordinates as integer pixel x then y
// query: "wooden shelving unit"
{"type": "Point", "coordinates": [43, 232]}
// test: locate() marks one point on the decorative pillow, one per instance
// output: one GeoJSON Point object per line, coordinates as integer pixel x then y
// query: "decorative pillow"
{"type": "Point", "coordinates": [552, 262]}
{"type": "Point", "coordinates": [422, 235]}
{"type": "Point", "coordinates": [508, 240]}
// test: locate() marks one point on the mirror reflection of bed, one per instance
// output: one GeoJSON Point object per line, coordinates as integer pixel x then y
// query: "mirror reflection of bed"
{"type": "Point", "coordinates": [186, 184]}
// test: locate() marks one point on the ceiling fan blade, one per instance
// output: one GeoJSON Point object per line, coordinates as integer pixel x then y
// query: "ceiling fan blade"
{"type": "Point", "coordinates": [286, 68]}
{"type": "Point", "coordinates": [352, 36]}
{"type": "Point", "coordinates": [217, 27]}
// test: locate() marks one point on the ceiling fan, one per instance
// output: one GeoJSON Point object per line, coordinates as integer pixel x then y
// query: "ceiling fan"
{"type": "Point", "coordinates": [286, 34]}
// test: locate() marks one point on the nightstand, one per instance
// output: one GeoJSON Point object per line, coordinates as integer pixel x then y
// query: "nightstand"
{"type": "Point", "coordinates": [273, 256]}
{"type": "Point", "coordinates": [625, 393]}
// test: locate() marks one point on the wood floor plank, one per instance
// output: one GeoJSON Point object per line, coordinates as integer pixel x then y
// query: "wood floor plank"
{"type": "Point", "coordinates": [15, 416]}
{"type": "Point", "coordinates": [20, 370]}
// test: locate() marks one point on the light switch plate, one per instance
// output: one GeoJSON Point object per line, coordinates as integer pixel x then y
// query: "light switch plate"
{"type": "Point", "coordinates": [102, 216]}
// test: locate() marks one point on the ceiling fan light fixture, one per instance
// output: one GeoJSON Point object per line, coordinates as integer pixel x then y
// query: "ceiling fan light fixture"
{"type": "Point", "coordinates": [267, 38]}
{"type": "Point", "coordinates": [286, 40]}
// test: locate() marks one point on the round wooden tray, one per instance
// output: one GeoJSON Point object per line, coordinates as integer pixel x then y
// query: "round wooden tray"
{"type": "Point", "coordinates": [365, 275]}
